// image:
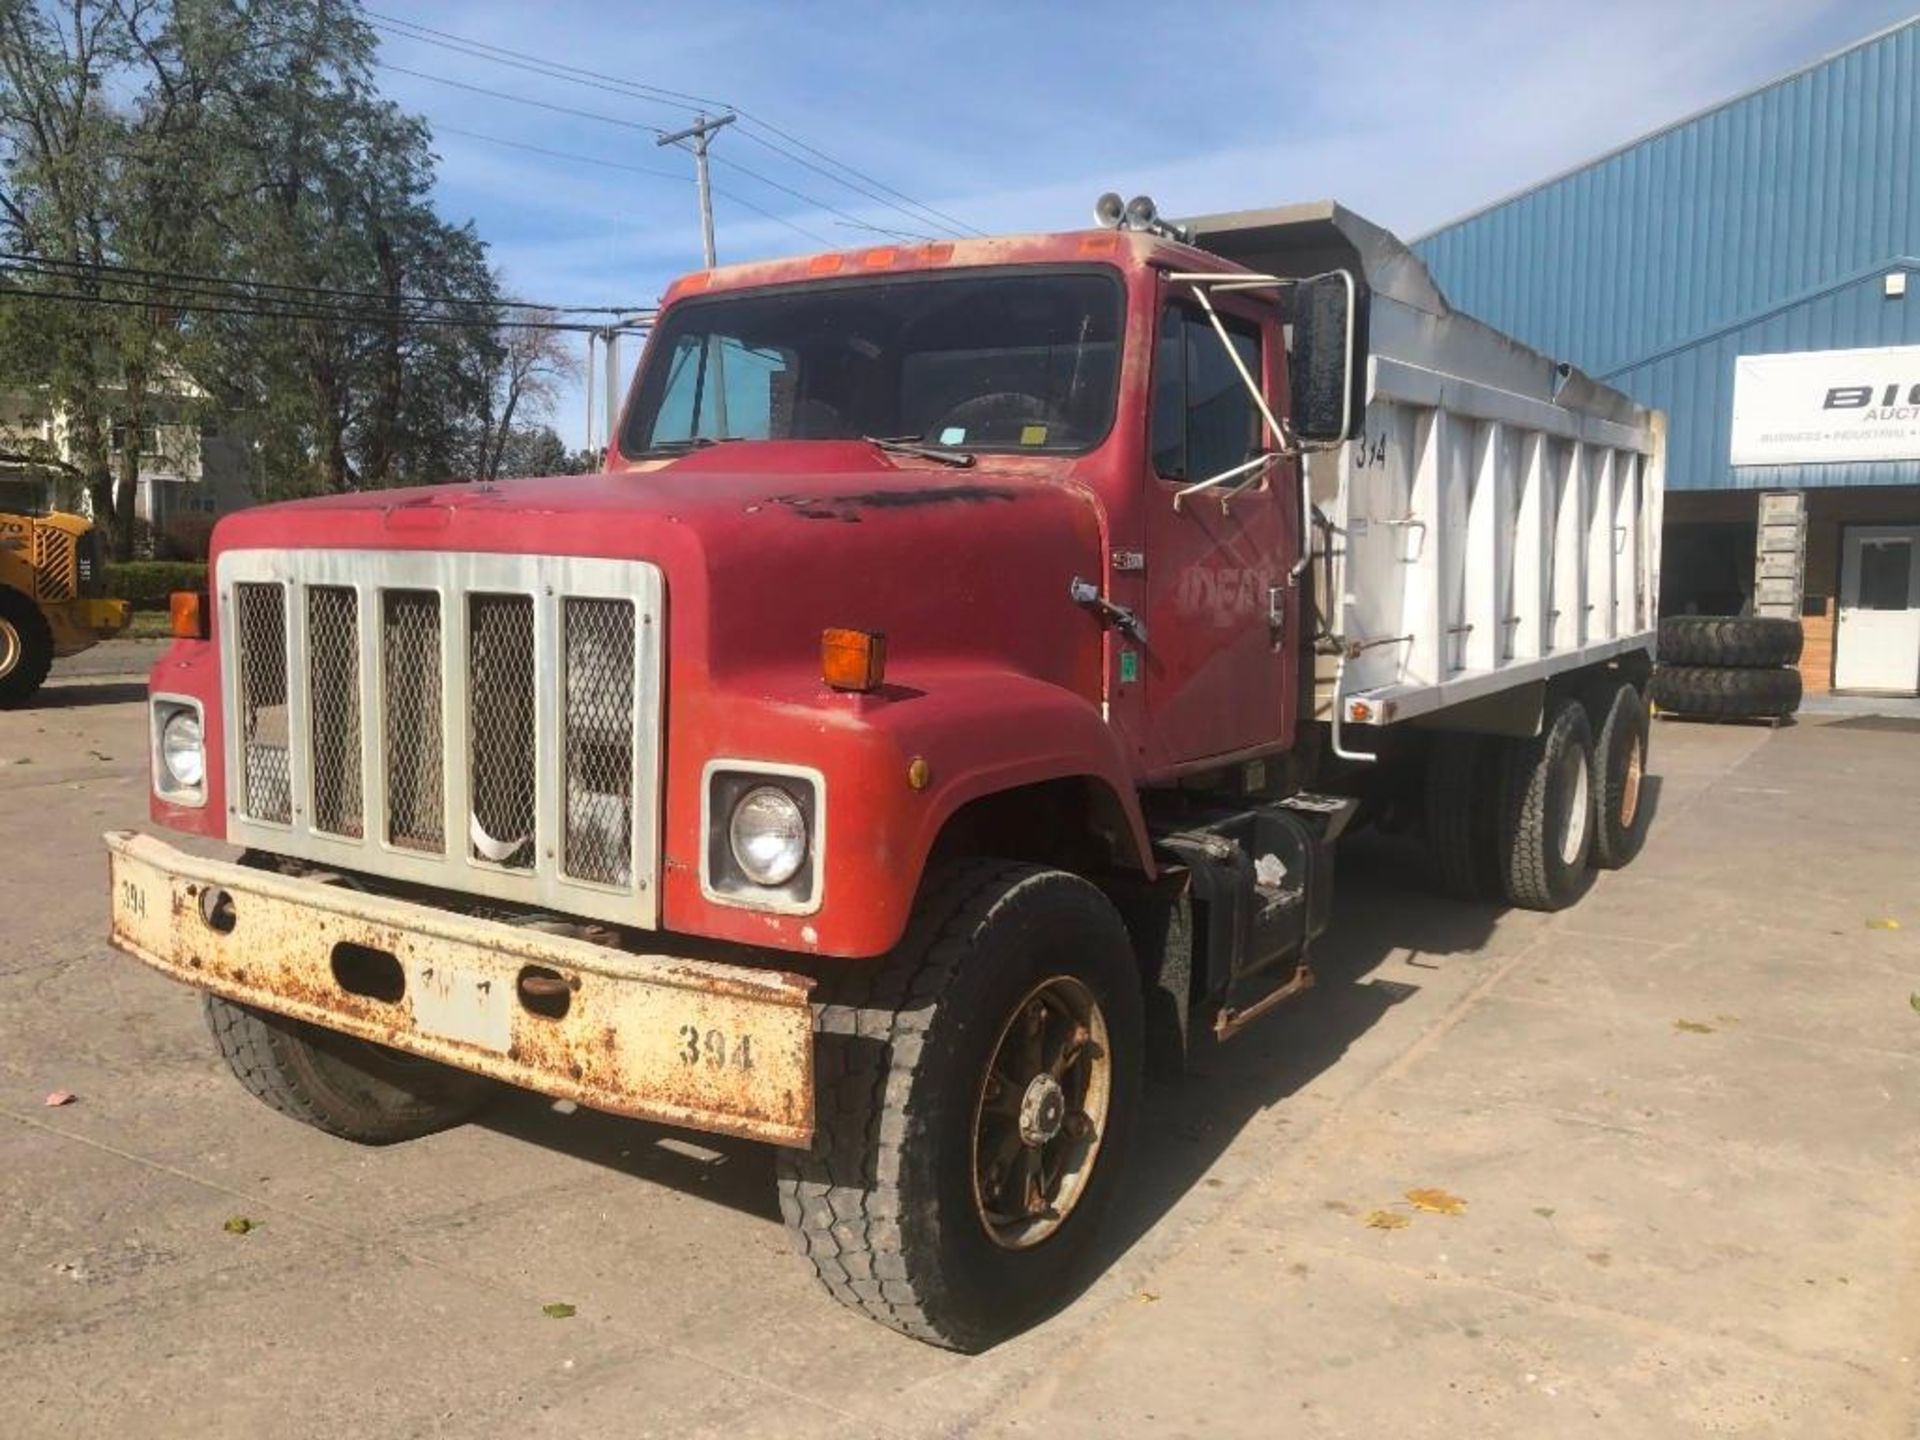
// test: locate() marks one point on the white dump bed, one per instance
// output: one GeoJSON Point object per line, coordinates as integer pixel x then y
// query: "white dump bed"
{"type": "Point", "coordinates": [1498, 521]}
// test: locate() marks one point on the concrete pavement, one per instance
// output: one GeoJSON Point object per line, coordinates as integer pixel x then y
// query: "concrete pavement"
{"type": "Point", "coordinates": [1681, 1118]}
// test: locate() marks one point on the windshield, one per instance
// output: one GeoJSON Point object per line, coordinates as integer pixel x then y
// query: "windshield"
{"type": "Point", "coordinates": [1022, 361]}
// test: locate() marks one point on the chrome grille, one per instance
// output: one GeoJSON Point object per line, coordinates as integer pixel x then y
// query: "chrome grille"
{"type": "Point", "coordinates": [471, 722]}
{"type": "Point", "coordinates": [266, 791]}
{"type": "Point", "coordinates": [598, 640]}
{"type": "Point", "coordinates": [416, 801]}
{"type": "Point", "coordinates": [333, 697]}
{"type": "Point", "coordinates": [500, 737]}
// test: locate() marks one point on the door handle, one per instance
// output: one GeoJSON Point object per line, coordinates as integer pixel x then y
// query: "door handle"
{"type": "Point", "coordinates": [1277, 614]}
{"type": "Point", "coordinates": [1085, 592]}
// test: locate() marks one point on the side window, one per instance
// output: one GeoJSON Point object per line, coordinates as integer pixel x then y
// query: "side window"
{"type": "Point", "coordinates": [720, 388]}
{"type": "Point", "coordinates": [1204, 421]}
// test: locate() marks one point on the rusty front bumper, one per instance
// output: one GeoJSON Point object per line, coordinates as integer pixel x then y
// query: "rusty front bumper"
{"type": "Point", "coordinates": [726, 1048]}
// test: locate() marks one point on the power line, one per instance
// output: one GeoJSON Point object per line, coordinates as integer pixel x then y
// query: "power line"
{"type": "Point", "coordinates": [84, 268]}
{"type": "Point", "coordinates": [521, 99]}
{"type": "Point", "coordinates": [958, 226]}
{"type": "Point", "coordinates": [580, 159]}
{"type": "Point", "coordinates": [359, 319]}
{"type": "Point", "coordinates": [654, 130]}
{"type": "Point", "coordinates": [521, 59]}
{"type": "Point", "coordinates": [447, 40]}
{"type": "Point", "coordinates": [674, 175]}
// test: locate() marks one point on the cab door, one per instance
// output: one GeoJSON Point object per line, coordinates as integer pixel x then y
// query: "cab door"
{"type": "Point", "coordinates": [1222, 608]}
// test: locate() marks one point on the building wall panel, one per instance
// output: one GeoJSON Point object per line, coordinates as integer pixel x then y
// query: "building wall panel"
{"type": "Point", "coordinates": [1765, 224]}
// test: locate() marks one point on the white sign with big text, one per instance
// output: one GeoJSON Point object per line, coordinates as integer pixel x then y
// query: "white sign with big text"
{"type": "Point", "coordinates": [1816, 407]}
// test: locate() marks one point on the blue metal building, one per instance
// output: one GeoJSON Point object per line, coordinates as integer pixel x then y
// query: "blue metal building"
{"type": "Point", "coordinates": [1754, 271]}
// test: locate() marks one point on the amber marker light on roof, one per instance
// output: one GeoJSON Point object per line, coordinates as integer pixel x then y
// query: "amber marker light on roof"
{"type": "Point", "coordinates": [853, 659]}
{"type": "Point", "coordinates": [187, 610]}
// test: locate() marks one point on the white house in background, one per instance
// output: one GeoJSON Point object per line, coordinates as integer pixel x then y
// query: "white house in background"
{"type": "Point", "coordinates": [184, 466]}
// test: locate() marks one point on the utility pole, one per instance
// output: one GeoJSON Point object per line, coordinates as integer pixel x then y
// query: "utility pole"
{"type": "Point", "coordinates": [700, 132]}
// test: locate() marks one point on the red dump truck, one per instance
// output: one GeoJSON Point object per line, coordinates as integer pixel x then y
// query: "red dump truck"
{"type": "Point", "coordinates": [948, 695]}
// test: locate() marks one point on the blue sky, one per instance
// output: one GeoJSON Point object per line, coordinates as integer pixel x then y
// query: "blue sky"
{"type": "Point", "coordinates": [1014, 116]}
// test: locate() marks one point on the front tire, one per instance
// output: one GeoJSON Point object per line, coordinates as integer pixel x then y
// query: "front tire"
{"type": "Point", "coordinates": [950, 1194]}
{"type": "Point", "coordinates": [339, 1083]}
{"type": "Point", "coordinates": [26, 648]}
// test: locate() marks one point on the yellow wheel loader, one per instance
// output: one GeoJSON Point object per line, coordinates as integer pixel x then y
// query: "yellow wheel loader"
{"type": "Point", "coordinates": [51, 576]}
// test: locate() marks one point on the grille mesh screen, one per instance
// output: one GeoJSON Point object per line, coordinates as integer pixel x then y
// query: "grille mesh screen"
{"type": "Point", "coordinates": [333, 686]}
{"type": "Point", "coordinates": [599, 740]}
{"type": "Point", "coordinates": [416, 813]}
{"type": "Point", "coordinates": [266, 785]}
{"type": "Point", "coordinates": [53, 563]}
{"type": "Point", "coordinates": [500, 697]}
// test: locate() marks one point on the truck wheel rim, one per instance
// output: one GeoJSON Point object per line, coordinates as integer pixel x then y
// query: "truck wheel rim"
{"type": "Point", "coordinates": [1041, 1113]}
{"type": "Point", "coordinates": [1573, 832]}
{"type": "Point", "coordinates": [11, 648]}
{"type": "Point", "coordinates": [1630, 786]}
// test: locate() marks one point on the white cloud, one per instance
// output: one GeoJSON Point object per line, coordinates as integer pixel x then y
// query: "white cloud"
{"type": "Point", "coordinates": [1015, 116]}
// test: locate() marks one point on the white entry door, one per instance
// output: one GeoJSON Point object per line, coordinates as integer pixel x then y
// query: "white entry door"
{"type": "Point", "coordinates": [1878, 644]}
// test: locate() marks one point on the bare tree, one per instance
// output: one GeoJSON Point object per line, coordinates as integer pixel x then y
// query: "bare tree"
{"type": "Point", "coordinates": [533, 365]}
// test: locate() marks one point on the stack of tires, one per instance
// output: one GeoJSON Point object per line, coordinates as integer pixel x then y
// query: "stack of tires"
{"type": "Point", "coordinates": [1728, 667]}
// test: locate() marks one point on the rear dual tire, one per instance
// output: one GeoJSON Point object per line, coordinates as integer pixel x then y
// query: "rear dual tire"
{"type": "Point", "coordinates": [1523, 820]}
{"type": "Point", "coordinates": [1620, 768]}
{"type": "Point", "coordinates": [1547, 811]}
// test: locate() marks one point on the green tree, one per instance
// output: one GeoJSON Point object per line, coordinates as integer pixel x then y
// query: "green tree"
{"type": "Point", "coordinates": [151, 148]}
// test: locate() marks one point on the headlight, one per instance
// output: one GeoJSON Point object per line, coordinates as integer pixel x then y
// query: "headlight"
{"type": "Point", "coordinates": [768, 834]}
{"type": "Point", "coordinates": [183, 752]}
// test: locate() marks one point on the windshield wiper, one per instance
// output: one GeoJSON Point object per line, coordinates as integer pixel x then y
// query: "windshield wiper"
{"type": "Point", "coordinates": [681, 447]}
{"type": "Point", "coordinates": [906, 445]}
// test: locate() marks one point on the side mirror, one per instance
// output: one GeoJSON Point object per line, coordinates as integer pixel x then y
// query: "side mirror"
{"type": "Point", "coordinates": [1328, 367]}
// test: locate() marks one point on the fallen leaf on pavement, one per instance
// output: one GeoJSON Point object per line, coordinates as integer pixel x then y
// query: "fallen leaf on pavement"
{"type": "Point", "coordinates": [559, 1310]}
{"type": "Point", "coordinates": [61, 1097]}
{"type": "Point", "coordinates": [1693, 1027]}
{"type": "Point", "coordinates": [1436, 1202]}
{"type": "Point", "coordinates": [1147, 1297]}
{"type": "Point", "coordinates": [1885, 922]}
{"type": "Point", "coordinates": [238, 1225]}
{"type": "Point", "coordinates": [1388, 1220]}
{"type": "Point", "coordinates": [1914, 999]}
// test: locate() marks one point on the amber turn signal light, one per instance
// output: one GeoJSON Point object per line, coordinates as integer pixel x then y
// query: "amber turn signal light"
{"type": "Point", "coordinates": [853, 659]}
{"type": "Point", "coordinates": [188, 611]}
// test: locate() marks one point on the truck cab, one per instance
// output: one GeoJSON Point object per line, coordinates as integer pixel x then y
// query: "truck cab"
{"type": "Point", "coordinates": [924, 713]}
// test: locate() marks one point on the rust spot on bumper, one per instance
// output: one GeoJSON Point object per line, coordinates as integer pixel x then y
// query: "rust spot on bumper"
{"type": "Point", "coordinates": [724, 1048]}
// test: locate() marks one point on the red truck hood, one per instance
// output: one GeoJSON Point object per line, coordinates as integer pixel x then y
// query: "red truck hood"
{"type": "Point", "coordinates": [765, 544]}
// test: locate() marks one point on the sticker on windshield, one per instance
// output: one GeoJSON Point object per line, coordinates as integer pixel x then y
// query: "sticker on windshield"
{"type": "Point", "coordinates": [953, 435]}
{"type": "Point", "coordinates": [1033, 434]}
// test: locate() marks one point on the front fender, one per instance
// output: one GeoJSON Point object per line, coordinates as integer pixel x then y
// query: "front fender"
{"type": "Point", "coordinates": [980, 732]}
{"type": "Point", "coordinates": [987, 734]}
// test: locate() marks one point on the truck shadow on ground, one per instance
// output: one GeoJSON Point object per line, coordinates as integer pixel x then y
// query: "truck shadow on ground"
{"type": "Point", "coordinates": [75, 694]}
{"type": "Point", "coordinates": [1383, 911]}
